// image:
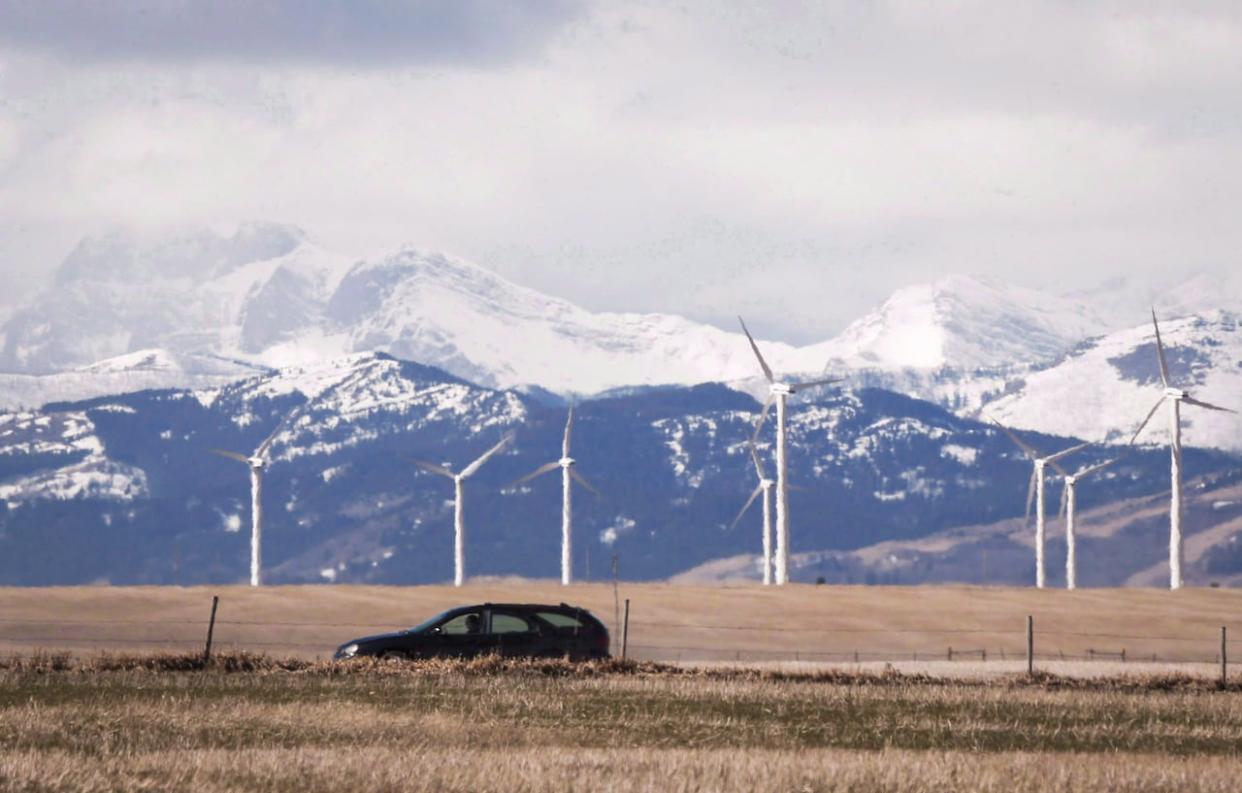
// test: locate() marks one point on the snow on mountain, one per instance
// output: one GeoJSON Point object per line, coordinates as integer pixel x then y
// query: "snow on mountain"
{"type": "Point", "coordinates": [194, 293]}
{"type": "Point", "coordinates": [469, 321]}
{"type": "Point", "coordinates": [341, 395]}
{"type": "Point", "coordinates": [123, 374]}
{"type": "Point", "coordinates": [267, 295]}
{"type": "Point", "coordinates": [58, 456]}
{"type": "Point", "coordinates": [1104, 389]}
{"type": "Point", "coordinates": [962, 323]}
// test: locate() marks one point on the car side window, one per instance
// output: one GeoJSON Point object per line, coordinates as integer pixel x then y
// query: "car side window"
{"type": "Point", "coordinates": [559, 621]}
{"type": "Point", "coordinates": [463, 624]}
{"type": "Point", "coordinates": [509, 623]}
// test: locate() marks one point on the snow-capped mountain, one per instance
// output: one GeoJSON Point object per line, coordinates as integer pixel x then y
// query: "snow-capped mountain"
{"type": "Point", "coordinates": [268, 295]}
{"type": "Point", "coordinates": [463, 318]}
{"type": "Point", "coordinates": [1104, 389]}
{"type": "Point", "coordinates": [201, 293]}
{"type": "Point", "coordinates": [124, 489]}
{"type": "Point", "coordinates": [124, 374]}
{"type": "Point", "coordinates": [962, 323]}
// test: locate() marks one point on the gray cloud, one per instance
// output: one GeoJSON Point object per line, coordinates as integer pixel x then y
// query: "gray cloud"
{"type": "Point", "coordinates": [368, 32]}
{"type": "Point", "coordinates": [793, 160]}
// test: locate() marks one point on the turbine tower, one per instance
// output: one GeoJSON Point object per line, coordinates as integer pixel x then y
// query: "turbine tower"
{"type": "Point", "coordinates": [258, 463]}
{"type": "Point", "coordinates": [1067, 511]}
{"type": "Point", "coordinates": [1175, 397]}
{"type": "Point", "coordinates": [764, 487]}
{"type": "Point", "coordinates": [779, 392]}
{"type": "Point", "coordinates": [568, 472]}
{"type": "Point", "coordinates": [459, 518]}
{"type": "Point", "coordinates": [1035, 492]}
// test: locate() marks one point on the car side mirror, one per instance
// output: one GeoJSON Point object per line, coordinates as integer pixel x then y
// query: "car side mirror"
{"type": "Point", "coordinates": [437, 630]}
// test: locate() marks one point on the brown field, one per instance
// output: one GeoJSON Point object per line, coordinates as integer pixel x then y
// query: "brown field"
{"type": "Point", "coordinates": [103, 725]}
{"type": "Point", "coordinates": [798, 624]}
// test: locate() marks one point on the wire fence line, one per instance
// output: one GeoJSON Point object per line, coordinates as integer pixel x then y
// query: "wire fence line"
{"type": "Point", "coordinates": [1005, 643]}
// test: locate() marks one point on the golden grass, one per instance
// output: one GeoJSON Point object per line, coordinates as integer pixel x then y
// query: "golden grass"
{"type": "Point", "coordinates": [79, 724]}
{"type": "Point", "coordinates": [668, 622]}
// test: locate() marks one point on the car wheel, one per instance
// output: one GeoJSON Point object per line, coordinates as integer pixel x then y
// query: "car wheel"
{"type": "Point", "coordinates": [393, 655]}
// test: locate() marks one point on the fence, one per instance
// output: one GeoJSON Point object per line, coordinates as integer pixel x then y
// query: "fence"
{"type": "Point", "coordinates": [660, 640]}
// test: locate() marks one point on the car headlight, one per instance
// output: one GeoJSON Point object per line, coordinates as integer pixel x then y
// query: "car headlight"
{"type": "Point", "coordinates": [349, 651]}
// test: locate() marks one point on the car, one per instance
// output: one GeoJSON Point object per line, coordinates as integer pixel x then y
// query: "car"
{"type": "Point", "coordinates": [509, 629]}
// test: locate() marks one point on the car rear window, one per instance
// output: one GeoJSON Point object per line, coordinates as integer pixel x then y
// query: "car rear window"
{"type": "Point", "coordinates": [558, 619]}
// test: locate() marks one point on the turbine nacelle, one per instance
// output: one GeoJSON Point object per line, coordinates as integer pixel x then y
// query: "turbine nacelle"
{"type": "Point", "coordinates": [565, 462]}
{"type": "Point", "coordinates": [1175, 393]}
{"type": "Point", "coordinates": [780, 389]}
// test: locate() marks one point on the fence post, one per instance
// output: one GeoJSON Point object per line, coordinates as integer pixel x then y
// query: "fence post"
{"type": "Point", "coordinates": [625, 630]}
{"type": "Point", "coordinates": [211, 628]}
{"type": "Point", "coordinates": [950, 653]}
{"type": "Point", "coordinates": [1030, 645]}
{"type": "Point", "coordinates": [1224, 658]}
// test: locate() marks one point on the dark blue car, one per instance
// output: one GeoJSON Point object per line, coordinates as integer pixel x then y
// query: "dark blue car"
{"type": "Point", "coordinates": [511, 629]}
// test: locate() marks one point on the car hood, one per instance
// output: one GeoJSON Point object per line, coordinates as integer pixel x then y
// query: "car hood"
{"type": "Point", "coordinates": [379, 637]}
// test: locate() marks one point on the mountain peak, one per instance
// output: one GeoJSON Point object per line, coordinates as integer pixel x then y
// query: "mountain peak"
{"type": "Point", "coordinates": [198, 254]}
{"type": "Point", "coordinates": [963, 322]}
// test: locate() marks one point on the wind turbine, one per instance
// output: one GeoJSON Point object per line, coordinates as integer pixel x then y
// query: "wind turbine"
{"type": "Point", "coordinates": [1067, 511]}
{"type": "Point", "coordinates": [1035, 492]}
{"type": "Point", "coordinates": [568, 472]}
{"type": "Point", "coordinates": [459, 518]}
{"type": "Point", "coordinates": [257, 462]}
{"type": "Point", "coordinates": [764, 487]}
{"type": "Point", "coordinates": [779, 392]}
{"type": "Point", "coordinates": [1175, 397]}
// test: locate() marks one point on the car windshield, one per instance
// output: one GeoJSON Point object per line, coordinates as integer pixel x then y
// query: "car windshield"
{"type": "Point", "coordinates": [427, 625]}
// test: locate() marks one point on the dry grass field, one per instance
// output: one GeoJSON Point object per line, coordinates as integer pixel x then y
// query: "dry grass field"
{"type": "Point", "coordinates": [467, 727]}
{"type": "Point", "coordinates": [798, 624]}
{"type": "Point", "coordinates": [782, 720]}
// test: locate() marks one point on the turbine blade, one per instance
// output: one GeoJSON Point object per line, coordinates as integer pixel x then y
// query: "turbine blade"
{"type": "Point", "coordinates": [767, 371]}
{"type": "Point", "coordinates": [796, 387]}
{"type": "Point", "coordinates": [1030, 495]}
{"type": "Point", "coordinates": [1026, 448]}
{"type": "Point", "coordinates": [577, 477]}
{"type": "Point", "coordinates": [569, 428]}
{"type": "Point", "coordinates": [1066, 452]}
{"type": "Point", "coordinates": [241, 458]}
{"type": "Point", "coordinates": [280, 426]}
{"type": "Point", "coordinates": [763, 416]}
{"type": "Point", "coordinates": [1064, 499]}
{"type": "Point", "coordinates": [431, 468]}
{"type": "Point", "coordinates": [1056, 467]}
{"type": "Point", "coordinates": [1150, 413]}
{"type": "Point", "coordinates": [469, 470]}
{"type": "Point", "coordinates": [1202, 404]}
{"type": "Point", "coordinates": [1091, 469]}
{"type": "Point", "coordinates": [1164, 366]}
{"type": "Point", "coordinates": [754, 494]}
{"type": "Point", "coordinates": [535, 474]}
{"type": "Point", "coordinates": [754, 458]}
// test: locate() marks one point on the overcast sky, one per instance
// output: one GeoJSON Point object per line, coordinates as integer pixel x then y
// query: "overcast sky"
{"type": "Point", "coordinates": [792, 161]}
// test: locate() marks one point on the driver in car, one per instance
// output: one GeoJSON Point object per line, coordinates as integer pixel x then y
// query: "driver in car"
{"type": "Point", "coordinates": [472, 623]}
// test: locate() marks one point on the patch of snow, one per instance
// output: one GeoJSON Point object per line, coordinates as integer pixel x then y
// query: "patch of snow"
{"type": "Point", "coordinates": [965, 455]}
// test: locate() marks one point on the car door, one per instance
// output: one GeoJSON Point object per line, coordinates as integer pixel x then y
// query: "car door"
{"type": "Point", "coordinates": [460, 636]}
{"type": "Point", "coordinates": [514, 634]}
